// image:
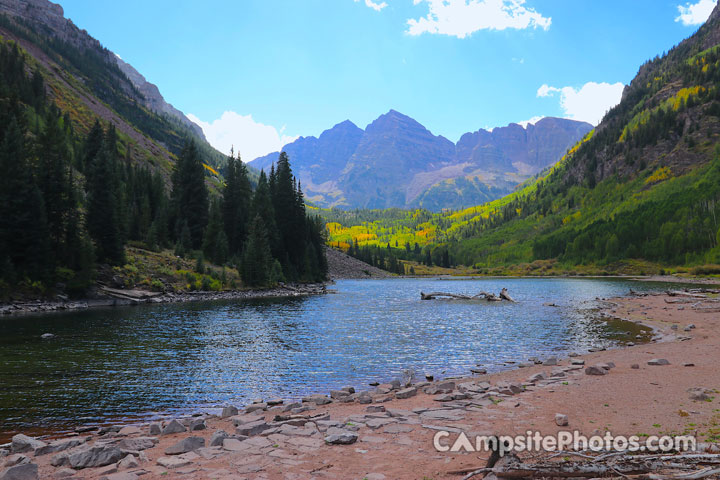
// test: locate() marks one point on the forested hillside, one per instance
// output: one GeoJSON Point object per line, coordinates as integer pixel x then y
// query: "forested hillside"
{"type": "Point", "coordinates": [70, 202]}
{"type": "Point", "coordinates": [643, 187]}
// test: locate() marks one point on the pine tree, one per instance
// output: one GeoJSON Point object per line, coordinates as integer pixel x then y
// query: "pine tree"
{"type": "Point", "coordinates": [102, 208]}
{"type": "Point", "coordinates": [215, 235]}
{"type": "Point", "coordinates": [189, 193]}
{"type": "Point", "coordinates": [23, 228]}
{"type": "Point", "coordinates": [257, 261]}
{"type": "Point", "coordinates": [236, 204]}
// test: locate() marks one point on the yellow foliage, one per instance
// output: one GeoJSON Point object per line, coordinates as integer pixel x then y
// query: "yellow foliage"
{"type": "Point", "coordinates": [210, 169]}
{"type": "Point", "coordinates": [662, 173]}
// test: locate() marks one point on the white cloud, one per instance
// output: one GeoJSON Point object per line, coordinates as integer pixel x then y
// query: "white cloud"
{"type": "Point", "coordinates": [461, 18]}
{"type": "Point", "coordinates": [695, 13]}
{"type": "Point", "coordinates": [589, 103]}
{"type": "Point", "coordinates": [377, 6]}
{"type": "Point", "coordinates": [249, 138]}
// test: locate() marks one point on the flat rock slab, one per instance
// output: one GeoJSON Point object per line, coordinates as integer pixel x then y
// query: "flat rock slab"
{"type": "Point", "coordinates": [340, 436]}
{"type": "Point", "coordinates": [120, 476]}
{"type": "Point", "coordinates": [659, 361]}
{"type": "Point", "coordinates": [185, 445]}
{"type": "Point", "coordinates": [398, 428]}
{"type": "Point", "coordinates": [137, 444]}
{"type": "Point", "coordinates": [451, 415]}
{"type": "Point", "coordinates": [59, 446]}
{"type": "Point", "coordinates": [179, 461]}
{"type": "Point", "coordinates": [27, 471]}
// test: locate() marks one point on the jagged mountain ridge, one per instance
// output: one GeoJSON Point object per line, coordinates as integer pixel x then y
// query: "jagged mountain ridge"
{"type": "Point", "coordinates": [397, 162]}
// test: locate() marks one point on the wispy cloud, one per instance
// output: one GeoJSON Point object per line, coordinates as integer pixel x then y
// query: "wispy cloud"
{"type": "Point", "coordinates": [460, 18]}
{"type": "Point", "coordinates": [249, 138]}
{"type": "Point", "coordinates": [588, 103]}
{"type": "Point", "coordinates": [377, 6]}
{"type": "Point", "coordinates": [695, 13]}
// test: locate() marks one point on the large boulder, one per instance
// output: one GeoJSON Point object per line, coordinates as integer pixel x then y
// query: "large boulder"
{"type": "Point", "coordinates": [95, 456]}
{"type": "Point", "coordinates": [26, 471]}
{"type": "Point", "coordinates": [173, 427]}
{"type": "Point", "coordinates": [22, 443]}
{"type": "Point", "coordinates": [185, 445]}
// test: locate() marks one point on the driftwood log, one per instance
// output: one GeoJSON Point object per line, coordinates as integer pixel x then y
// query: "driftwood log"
{"type": "Point", "coordinates": [612, 465]}
{"type": "Point", "coordinates": [490, 297]}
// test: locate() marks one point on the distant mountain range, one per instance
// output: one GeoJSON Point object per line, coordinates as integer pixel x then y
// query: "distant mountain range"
{"type": "Point", "coordinates": [397, 162]}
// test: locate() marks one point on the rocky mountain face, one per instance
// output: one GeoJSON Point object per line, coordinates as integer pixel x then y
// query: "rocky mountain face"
{"type": "Point", "coordinates": [33, 23]}
{"type": "Point", "coordinates": [397, 162]}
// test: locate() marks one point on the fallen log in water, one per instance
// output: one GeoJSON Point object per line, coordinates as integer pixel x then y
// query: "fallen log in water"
{"type": "Point", "coordinates": [490, 297]}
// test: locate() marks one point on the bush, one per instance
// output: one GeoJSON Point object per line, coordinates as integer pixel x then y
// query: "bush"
{"type": "Point", "coordinates": [706, 270]}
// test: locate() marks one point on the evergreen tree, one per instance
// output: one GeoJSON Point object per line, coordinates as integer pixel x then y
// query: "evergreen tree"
{"type": "Point", "coordinates": [189, 194]}
{"type": "Point", "coordinates": [23, 228]}
{"type": "Point", "coordinates": [236, 203]}
{"type": "Point", "coordinates": [257, 261]}
{"type": "Point", "coordinates": [215, 236]}
{"type": "Point", "coordinates": [102, 208]}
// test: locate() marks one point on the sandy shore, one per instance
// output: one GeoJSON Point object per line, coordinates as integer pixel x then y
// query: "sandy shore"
{"type": "Point", "coordinates": [397, 443]}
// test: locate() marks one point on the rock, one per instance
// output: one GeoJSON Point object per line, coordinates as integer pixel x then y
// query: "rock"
{"type": "Point", "coordinates": [173, 427]}
{"type": "Point", "coordinates": [172, 463]}
{"type": "Point", "coordinates": [700, 394]}
{"type": "Point", "coordinates": [551, 361]}
{"type": "Point", "coordinates": [688, 364]}
{"type": "Point", "coordinates": [364, 398]}
{"type": "Point", "coordinates": [47, 336]}
{"type": "Point", "coordinates": [340, 436]}
{"type": "Point", "coordinates": [336, 394]}
{"type": "Point", "coordinates": [128, 462]}
{"type": "Point", "coordinates": [658, 361]}
{"type": "Point", "coordinates": [348, 389]}
{"type": "Point", "coordinates": [255, 407]}
{"type": "Point", "coordinates": [317, 399]}
{"type": "Point", "coordinates": [22, 443]}
{"type": "Point", "coordinates": [64, 473]}
{"type": "Point", "coordinates": [217, 438]}
{"type": "Point", "coordinates": [445, 387]}
{"type": "Point", "coordinates": [673, 327]}
{"type": "Point", "coordinates": [253, 428]}
{"type": "Point", "coordinates": [275, 401]}
{"type": "Point", "coordinates": [229, 411]}
{"type": "Point", "coordinates": [596, 370]}
{"type": "Point", "coordinates": [577, 361]}
{"type": "Point", "coordinates": [537, 377]}
{"type": "Point", "coordinates": [26, 471]}
{"type": "Point", "coordinates": [185, 445]}
{"type": "Point", "coordinates": [479, 371]}
{"type": "Point", "coordinates": [375, 409]}
{"type": "Point", "coordinates": [120, 476]}
{"type": "Point", "coordinates": [59, 446]}
{"type": "Point", "coordinates": [445, 397]}
{"type": "Point", "coordinates": [561, 420]}
{"type": "Point", "coordinates": [429, 377]}
{"type": "Point", "coordinates": [198, 424]}
{"type": "Point", "coordinates": [16, 459]}
{"type": "Point", "coordinates": [406, 393]}
{"type": "Point", "coordinates": [635, 366]}
{"type": "Point", "coordinates": [95, 456]}
{"type": "Point", "coordinates": [691, 326]}
{"type": "Point", "coordinates": [129, 430]}
{"type": "Point", "coordinates": [291, 406]}
{"type": "Point", "coordinates": [137, 444]}
{"type": "Point", "coordinates": [155, 429]}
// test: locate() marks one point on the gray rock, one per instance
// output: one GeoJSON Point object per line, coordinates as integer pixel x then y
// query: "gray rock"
{"type": "Point", "coordinates": [336, 394]}
{"type": "Point", "coordinates": [406, 393]}
{"type": "Point", "coordinates": [561, 420]}
{"type": "Point", "coordinates": [95, 456]}
{"type": "Point", "coordinates": [375, 409]}
{"type": "Point", "coordinates": [317, 399]}
{"type": "Point", "coordinates": [253, 428]}
{"type": "Point", "coordinates": [577, 361]}
{"type": "Point", "coordinates": [537, 377]}
{"type": "Point", "coordinates": [64, 473]}
{"type": "Point", "coordinates": [340, 436]}
{"type": "Point", "coordinates": [635, 366]}
{"type": "Point", "coordinates": [172, 463]}
{"type": "Point", "coordinates": [444, 387]}
{"type": "Point", "coordinates": [229, 411]}
{"type": "Point", "coordinates": [275, 401]}
{"type": "Point", "coordinates": [26, 471]}
{"type": "Point", "coordinates": [596, 370]}
{"type": "Point", "coordinates": [185, 445]}
{"type": "Point", "coordinates": [128, 462]}
{"type": "Point", "coordinates": [173, 427]}
{"type": "Point", "coordinates": [658, 361]}
{"type": "Point", "coordinates": [349, 389]}
{"type": "Point", "coordinates": [16, 459]}
{"type": "Point", "coordinates": [137, 444]}
{"type": "Point", "coordinates": [217, 438]}
{"type": "Point", "coordinates": [255, 407]}
{"type": "Point", "coordinates": [120, 476]}
{"type": "Point", "coordinates": [59, 446]}
{"type": "Point", "coordinates": [198, 424]}
{"type": "Point", "coordinates": [155, 429]}
{"type": "Point", "coordinates": [22, 443]}
{"type": "Point", "coordinates": [551, 361]}
{"type": "Point", "coordinates": [291, 406]}
{"type": "Point", "coordinates": [364, 398]}
{"type": "Point", "coordinates": [700, 394]}
{"type": "Point", "coordinates": [47, 336]}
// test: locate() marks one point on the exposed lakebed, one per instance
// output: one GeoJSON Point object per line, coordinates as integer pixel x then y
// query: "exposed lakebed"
{"type": "Point", "coordinates": [134, 363]}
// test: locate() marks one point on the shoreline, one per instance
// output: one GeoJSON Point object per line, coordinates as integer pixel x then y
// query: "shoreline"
{"type": "Point", "coordinates": [401, 421]}
{"type": "Point", "coordinates": [125, 298]}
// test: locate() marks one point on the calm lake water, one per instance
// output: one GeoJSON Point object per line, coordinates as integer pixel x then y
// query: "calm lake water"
{"type": "Point", "coordinates": [136, 363]}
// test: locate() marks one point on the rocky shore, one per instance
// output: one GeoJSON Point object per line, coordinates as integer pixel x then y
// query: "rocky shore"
{"type": "Point", "coordinates": [668, 386]}
{"type": "Point", "coordinates": [118, 298]}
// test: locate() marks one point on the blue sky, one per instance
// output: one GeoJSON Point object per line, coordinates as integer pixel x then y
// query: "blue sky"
{"type": "Point", "coordinates": [258, 73]}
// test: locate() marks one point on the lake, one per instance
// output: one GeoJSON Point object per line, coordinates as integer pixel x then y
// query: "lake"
{"type": "Point", "coordinates": [138, 363]}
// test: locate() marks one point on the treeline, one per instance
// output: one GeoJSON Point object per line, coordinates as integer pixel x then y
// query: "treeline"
{"type": "Point", "coordinates": [69, 203]}
{"type": "Point", "coordinates": [391, 259]}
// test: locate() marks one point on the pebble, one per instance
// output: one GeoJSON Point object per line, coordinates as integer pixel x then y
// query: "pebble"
{"type": "Point", "coordinates": [635, 366]}
{"type": "Point", "coordinates": [658, 361]}
{"type": "Point", "coordinates": [561, 420]}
